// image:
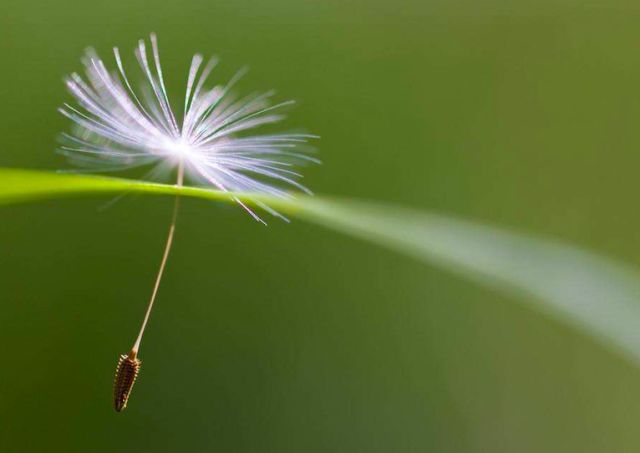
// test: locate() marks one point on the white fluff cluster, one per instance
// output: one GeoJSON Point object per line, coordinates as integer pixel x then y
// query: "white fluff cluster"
{"type": "Point", "coordinates": [118, 128]}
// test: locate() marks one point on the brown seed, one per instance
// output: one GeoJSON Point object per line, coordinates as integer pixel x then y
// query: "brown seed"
{"type": "Point", "coordinates": [126, 374]}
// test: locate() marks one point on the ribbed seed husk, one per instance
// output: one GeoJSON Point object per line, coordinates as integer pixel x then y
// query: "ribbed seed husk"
{"type": "Point", "coordinates": [126, 374]}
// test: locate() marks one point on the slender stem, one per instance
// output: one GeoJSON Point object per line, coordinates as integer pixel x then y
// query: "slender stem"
{"type": "Point", "coordinates": [163, 264]}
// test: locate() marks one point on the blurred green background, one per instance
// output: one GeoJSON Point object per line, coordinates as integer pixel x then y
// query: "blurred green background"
{"type": "Point", "coordinates": [294, 339]}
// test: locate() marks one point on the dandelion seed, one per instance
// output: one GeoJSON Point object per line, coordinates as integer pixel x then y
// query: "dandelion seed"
{"type": "Point", "coordinates": [118, 128]}
{"type": "Point", "coordinates": [126, 375]}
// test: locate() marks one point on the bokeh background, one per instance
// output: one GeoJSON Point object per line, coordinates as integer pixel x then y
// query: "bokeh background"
{"type": "Point", "coordinates": [290, 338]}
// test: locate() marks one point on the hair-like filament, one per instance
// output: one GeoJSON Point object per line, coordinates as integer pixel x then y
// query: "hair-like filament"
{"type": "Point", "coordinates": [129, 365]}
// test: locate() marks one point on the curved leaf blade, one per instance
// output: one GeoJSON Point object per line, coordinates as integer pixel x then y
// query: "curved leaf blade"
{"type": "Point", "coordinates": [595, 294]}
{"type": "Point", "coordinates": [598, 296]}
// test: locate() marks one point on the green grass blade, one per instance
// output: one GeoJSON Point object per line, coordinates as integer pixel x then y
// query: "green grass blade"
{"type": "Point", "coordinates": [592, 293]}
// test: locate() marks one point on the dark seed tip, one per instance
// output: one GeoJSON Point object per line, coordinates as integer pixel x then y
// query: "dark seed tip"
{"type": "Point", "coordinates": [126, 374]}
